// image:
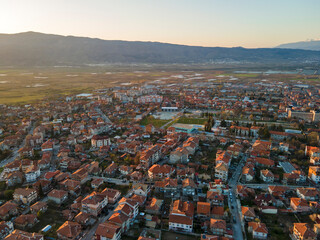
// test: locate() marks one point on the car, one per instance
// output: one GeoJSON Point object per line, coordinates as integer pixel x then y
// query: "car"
{"type": "Point", "coordinates": [232, 207]}
{"type": "Point", "coordinates": [234, 220]}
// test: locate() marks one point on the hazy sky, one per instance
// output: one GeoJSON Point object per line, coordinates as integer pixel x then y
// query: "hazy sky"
{"type": "Point", "coordinates": [230, 23]}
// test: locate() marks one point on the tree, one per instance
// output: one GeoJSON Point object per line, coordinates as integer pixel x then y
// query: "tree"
{"type": "Point", "coordinates": [313, 138]}
{"type": "Point", "coordinates": [3, 186]}
{"type": "Point", "coordinates": [223, 123]}
{"type": "Point", "coordinates": [41, 194]}
{"type": "Point", "coordinates": [8, 194]}
{"type": "Point", "coordinates": [137, 159]}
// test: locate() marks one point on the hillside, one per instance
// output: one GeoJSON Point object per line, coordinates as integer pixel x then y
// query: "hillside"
{"type": "Point", "coordinates": [38, 49]}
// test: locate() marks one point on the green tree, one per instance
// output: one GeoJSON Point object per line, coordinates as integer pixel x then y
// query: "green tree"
{"type": "Point", "coordinates": [8, 194]}
{"type": "Point", "coordinates": [223, 123]}
{"type": "Point", "coordinates": [41, 194]}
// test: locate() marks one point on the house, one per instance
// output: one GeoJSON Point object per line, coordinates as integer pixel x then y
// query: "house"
{"type": "Point", "coordinates": [128, 207]}
{"type": "Point", "coordinates": [94, 203]}
{"type": "Point", "coordinates": [150, 129]}
{"type": "Point", "coordinates": [180, 155]}
{"type": "Point", "coordinates": [295, 177]}
{"type": "Point", "coordinates": [81, 175]}
{"type": "Point", "coordinates": [181, 216]}
{"type": "Point", "coordinates": [12, 167]}
{"type": "Point", "coordinates": [215, 198]}
{"type": "Point", "coordinates": [69, 231]}
{"type": "Point", "coordinates": [125, 170]}
{"type": "Point", "coordinates": [95, 183]}
{"type": "Point", "coordinates": [258, 230]}
{"type": "Point", "coordinates": [71, 186]}
{"type": "Point", "coordinates": [141, 189]}
{"type": "Point", "coordinates": [247, 174]}
{"type": "Point", "coordinates": [139, 199]}
{"type": "Point", "coordinates": [157, 172]}
{"type": "Point", "coordinates": [309, 194]}
{"type": "Point", "coordinates": [18, 234]}
{"type": "Point", "coordinates": [83, 218]}
{"type": "Point", "coordinates": [218, 212]}
{"type": "Point", "coordinates": [25, 195]}
{"type": "Point", "coordinates": [112, 194]}
{"type": "Point", "coordinates": [150, 234]}
{"type": "Point", "coordinates": [263, 162]}
{"type": "Point", "coordinates": [266, 175]}
{"type": "Point", "coordinates": [8, 209]}
{"type": "Point", "coordinates": [284, 147]}
{"type": "Point", "coordinates": [5, 229]}
{"type": "Point", "coordinates": [278, 191]}
{"type": "Point", "coordinates": [100, 141]}
{"type": "Point", "coordinates": [218, 226]}
{"type": "Point", "coordinates": [39, 206]}
{"type": "Point", "coordinates": [314, 174]}
{"type": "Point", "coordinates": [111, 169]}
{"type": "Point", "coordinates": [58, 196]}
{"type": "Point", "coordinates": [299, 205]}
{"type": "Point", "coordinates": [108, 231]}
{"type": "Point", "coordinates": [169, 187]}
{"type": "Point", "coordinates": [26, 221]}
{"type": "Point", "coordinates": [14, 178]}
{"type": "Point", "coordinates": [120, 219]}
{"type": "Point", "coordinates": [150, 156]}
{"type": "Point", "coordinates": [248, 213]}
{"type": "Point", "coordinates": [26, 151]}
{"type": "Point", "coordinates": [221, 171]}
{"type": "Point", "coordinates": [32, 174]}
{"type": "Point", "coordinates": [203, 209]}
{"type": "Point", "coordinates": [302, 231]}
{"type": "Point", "coordinates": [154, 206]}
{"type": "Point", "coordinates": [188, 187]}
{"type": "Point", "coordinates": [245, 192]}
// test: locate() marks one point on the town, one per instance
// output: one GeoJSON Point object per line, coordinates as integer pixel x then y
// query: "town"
{"type": "Point", "coordinates": [232, 156]}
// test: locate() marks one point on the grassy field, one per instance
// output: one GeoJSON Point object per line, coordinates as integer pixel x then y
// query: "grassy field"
{"type": "Point", "coordinates": [185, 120]}
{"type": "Point", "coordinates": [155, 122]}
{"type": "Point", "coordinates": [50, 217]}
{"type": "Point", "coordinates": [27, 86]}
{"type": "Point", "coordinates": [18, 86]}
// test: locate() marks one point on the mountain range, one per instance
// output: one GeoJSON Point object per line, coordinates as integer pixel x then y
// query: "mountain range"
{"type": "Point", "coordinates": [306, 45]}
{"type": "Point", "coordinates": [38, 49]}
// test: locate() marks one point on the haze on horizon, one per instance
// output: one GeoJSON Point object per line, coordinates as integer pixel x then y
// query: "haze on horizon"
{"type": "Point", "coordinates": [225, 23]}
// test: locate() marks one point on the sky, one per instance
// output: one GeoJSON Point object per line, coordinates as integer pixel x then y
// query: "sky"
{"type": "Point", "coordinates": [225, 23]}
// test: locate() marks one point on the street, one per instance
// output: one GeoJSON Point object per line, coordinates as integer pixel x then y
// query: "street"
{"type": "Point", "coordinates": [234, 203]}
{"type": "Point", "coordinates": [103, 116]}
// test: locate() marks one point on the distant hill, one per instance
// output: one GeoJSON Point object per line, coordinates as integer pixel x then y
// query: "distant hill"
{"type": "Point", "coordinates": [38, 49]}
{"type": "Point", "coordinates": [307, 45]}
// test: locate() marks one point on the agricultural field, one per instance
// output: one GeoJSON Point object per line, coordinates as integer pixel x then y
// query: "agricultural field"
{"type": "Point", "coordinates": [21, 86]}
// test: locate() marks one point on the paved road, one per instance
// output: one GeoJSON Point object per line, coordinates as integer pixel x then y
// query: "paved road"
{"type": "Point", "coordinates": [233, 201]}
{"type": "Point", "coordinates": [114, 180]}
{"type": "Point", "coordinates": [168, 123]}
{"type": "Point", "coordinates": [104, 117]}
{"type": "Point", "coordinates": [266, 185]}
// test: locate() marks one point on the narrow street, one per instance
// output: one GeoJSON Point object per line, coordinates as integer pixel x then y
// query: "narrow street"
{"type": "Point", "coordinates": [104, 117]}
{"type": "Point", "coordinates": [233, 201]}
